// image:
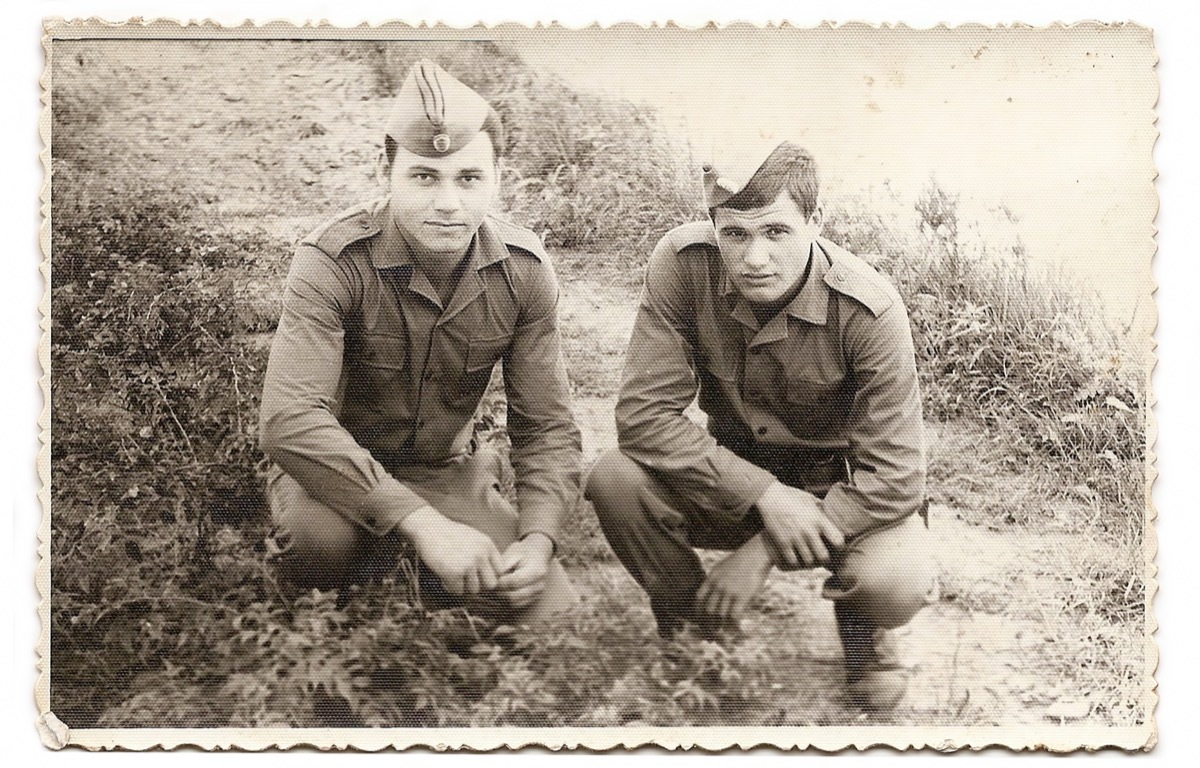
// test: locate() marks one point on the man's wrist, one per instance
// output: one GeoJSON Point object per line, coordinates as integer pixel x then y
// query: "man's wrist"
{"type": "Point", "coordinates": [544, 543]}
{"type": "Point", "coordinates": [760, 551]}
{"type": "Point", "coordinates": [419, 522]}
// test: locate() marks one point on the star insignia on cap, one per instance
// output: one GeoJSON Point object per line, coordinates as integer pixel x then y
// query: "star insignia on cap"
{"type": "Point", "coordinates": [441, 142]}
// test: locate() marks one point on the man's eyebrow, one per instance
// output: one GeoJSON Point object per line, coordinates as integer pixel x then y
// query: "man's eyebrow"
{"type": "Point", "coordinates": [421, 169]}
{"type": "Point", "coordinates": [470, 170]}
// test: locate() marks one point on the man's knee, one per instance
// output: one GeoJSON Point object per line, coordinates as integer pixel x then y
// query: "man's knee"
{"type": "Point", "coordinates": [887, 576]}
{"type": "Point", "coordinates": [612, 486]}
{"type": "Point", "coordinates": [324, 548]}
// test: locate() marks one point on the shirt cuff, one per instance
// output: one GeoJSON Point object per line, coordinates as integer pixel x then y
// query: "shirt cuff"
{"type": "Point", "coordinates": [386, 505]}
{"type": "Point", "coordinates": [544, 522]}
{"type": "Point", "coordinates": [850, 516]}
{"type": "Point", "coordinates": [742, 483]}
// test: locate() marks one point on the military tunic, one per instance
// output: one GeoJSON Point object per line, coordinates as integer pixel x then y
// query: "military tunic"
{"type": "Point", "coordinates": [369, 374]}
{"type": "Point", "coordinates": [830, 378]}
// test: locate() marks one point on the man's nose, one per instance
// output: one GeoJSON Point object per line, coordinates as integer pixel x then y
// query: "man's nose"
{"type": "Point", "coordinates": [757, 255]}
{"type": "Point", "coordinates": [447, 198]}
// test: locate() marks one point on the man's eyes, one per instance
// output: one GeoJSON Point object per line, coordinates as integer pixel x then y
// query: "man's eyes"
{"type": "Point", "coordinates": [734, 234]}
{"type": "Point", "coordinates": [777, 231]}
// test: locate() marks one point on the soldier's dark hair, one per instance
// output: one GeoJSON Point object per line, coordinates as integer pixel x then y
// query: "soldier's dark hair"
{"type": "Point", "coordinates": [789, 167]}
{"type": "Point", "coordinates": [491, 126]}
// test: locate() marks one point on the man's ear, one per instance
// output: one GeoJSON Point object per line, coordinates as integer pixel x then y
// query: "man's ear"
{"type": "Point", "coordinates": [818, 217]}
{"type": "Point", "coordinates": [383, 169]}
{"type": "Point", "coordinates": [498, 169]}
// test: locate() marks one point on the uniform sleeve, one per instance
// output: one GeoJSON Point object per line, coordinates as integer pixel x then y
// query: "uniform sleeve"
{"type": "Point", "coordinates": [299, 429]}
{"type": "Point", "coordinates": [546, 443]}
{"type": "Point", "coordinates": [885, 430]}
{"type": "Point", "coordinates": [659, 384]}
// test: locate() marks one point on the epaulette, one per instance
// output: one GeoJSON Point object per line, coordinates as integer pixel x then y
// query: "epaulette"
{"type": "Point", "coordinates": [334, 236]}
{"type": "Point", "coordinates": [518, 237]}
{"type": "Point", "coordinates": [685, 235]}
{"type": "Point", "coordinates": [853, 277]}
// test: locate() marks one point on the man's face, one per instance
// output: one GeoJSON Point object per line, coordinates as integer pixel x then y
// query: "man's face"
{"type": "Point", "coordinates": [766, 249]}
{"type": "Point", "coordinates": [439, 202]}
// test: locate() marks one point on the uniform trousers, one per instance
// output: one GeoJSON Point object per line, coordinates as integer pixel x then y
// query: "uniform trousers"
{"type": "Point", "coordinates": [879, 580]}
{"type": "Point", "coordinates": [328, 550]}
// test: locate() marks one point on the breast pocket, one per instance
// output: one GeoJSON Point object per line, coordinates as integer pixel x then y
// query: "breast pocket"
{"type": "Point", "coordinates": [482, 356]}
{"type": "Point", "coordinates": [485, 353]}
{"type": "Point", "coordinates": [379, 368]}
{"type": "Point", "coordinates": [387, 354]}
{"type": "Point", "coordinates": [816, 407]}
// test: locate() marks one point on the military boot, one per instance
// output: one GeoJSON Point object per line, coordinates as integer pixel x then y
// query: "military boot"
{"type": "Point", "coordinates": [875, 678]}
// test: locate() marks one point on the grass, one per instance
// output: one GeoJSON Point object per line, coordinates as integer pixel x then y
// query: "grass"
{"type": "Point", "coordinates": [166, 609]}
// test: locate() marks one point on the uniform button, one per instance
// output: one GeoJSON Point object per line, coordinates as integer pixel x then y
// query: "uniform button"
{"type": "Point", "coordinates": [762, 430]}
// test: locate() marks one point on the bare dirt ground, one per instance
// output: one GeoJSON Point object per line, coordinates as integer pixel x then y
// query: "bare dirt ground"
{"type": "Point", "coordinates": [279, 139]}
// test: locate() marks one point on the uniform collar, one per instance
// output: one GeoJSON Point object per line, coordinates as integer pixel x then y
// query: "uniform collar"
{"type": "Point", "coordinates": [811, 304]}
{"type": "Point", "coordinates": [389, 250]}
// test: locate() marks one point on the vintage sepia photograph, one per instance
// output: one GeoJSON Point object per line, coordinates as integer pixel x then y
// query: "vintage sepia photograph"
{"type": "Point", "coordinates": [598, 387]}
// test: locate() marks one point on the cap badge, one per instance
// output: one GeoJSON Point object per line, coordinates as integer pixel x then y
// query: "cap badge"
{"type": "Point", "coordinates": [441, 142]}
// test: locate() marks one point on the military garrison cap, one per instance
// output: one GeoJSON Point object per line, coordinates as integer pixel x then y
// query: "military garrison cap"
{"type": "Point", "coordinates": [732, 166]}
{"type": "Point", "coordinates": [435, 114]}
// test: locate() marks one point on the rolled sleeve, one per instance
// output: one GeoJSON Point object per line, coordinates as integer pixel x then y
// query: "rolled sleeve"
{"type": "Point", "coordinates": [546, 443]}
{"type": "Point", "coordinates": [658, 385]}
{"type": "Point", "coordinates": [885, 430]}
{"type": "Point", "coordinates": [299, 429]}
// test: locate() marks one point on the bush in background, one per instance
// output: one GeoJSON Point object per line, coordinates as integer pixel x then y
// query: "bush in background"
{"type": "Point", "coordinates": [1021, 351]}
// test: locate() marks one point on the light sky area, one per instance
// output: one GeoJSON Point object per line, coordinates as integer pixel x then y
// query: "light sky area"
{"type": "Point", "coordinates": [1055, 125]}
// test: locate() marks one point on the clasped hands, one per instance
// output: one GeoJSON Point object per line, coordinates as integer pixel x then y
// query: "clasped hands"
{"type": "Point", "coordinates": [796, 533]}
{"type": "Point", "coordinates": [468, 562]}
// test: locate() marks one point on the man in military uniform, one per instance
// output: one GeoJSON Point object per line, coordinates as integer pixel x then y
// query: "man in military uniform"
{"type": "Point", "coordinates": [394, 316]}
{"type": "Point", "coordinates": [813, 454]}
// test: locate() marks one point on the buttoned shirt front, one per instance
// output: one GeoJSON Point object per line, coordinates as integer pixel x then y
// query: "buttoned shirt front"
{"type": "Point", "coordinates": [831, 375]}
{"type": "Point", "coordinates": [370, 373]}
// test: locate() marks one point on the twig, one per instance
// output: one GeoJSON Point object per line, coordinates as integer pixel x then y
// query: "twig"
{"type": "Point", "coordinates": [161, 599]}
{"type": "Point", "coordinates": [175, 418]}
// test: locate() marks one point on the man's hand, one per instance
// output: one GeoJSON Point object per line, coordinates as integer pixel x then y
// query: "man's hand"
{"type": "Point", "coordinates": [799, 530]}
{"type": "Point", "coordinates": [466, 560]}
{"type": "Point", "coordinates": [734, 581]}
{"type": "Point", "coordinates": [523, 569]}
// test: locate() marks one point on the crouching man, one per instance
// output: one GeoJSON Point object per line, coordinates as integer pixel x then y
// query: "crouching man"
{"type": "Point", "coordinates": [394, 316]}
{"type": "Point", "coordinates": [813, 455]}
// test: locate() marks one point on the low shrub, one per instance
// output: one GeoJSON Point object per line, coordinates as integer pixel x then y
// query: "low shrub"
{"type": "Point", "coordinates": [154, 412]}
{"type": "Point", "coordinates": [1019, 350]}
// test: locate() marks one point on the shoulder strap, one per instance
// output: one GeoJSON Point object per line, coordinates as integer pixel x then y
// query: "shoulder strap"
{"type": "Point", "coordinates": [518, 237]}
{"type": "Point", "coordinates": [693, 233]}
{"type": "Point", "coordinates": [853, 277]}
{"type": "Point", "coordinates": [335, 236]}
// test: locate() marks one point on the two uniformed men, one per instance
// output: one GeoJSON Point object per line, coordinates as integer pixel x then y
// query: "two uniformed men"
{"type": "Point", "coordinates": [396, 313]}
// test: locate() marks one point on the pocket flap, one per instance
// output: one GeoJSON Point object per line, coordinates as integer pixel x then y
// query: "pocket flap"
{"type": "Point", "coordinates": [483, 353]}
